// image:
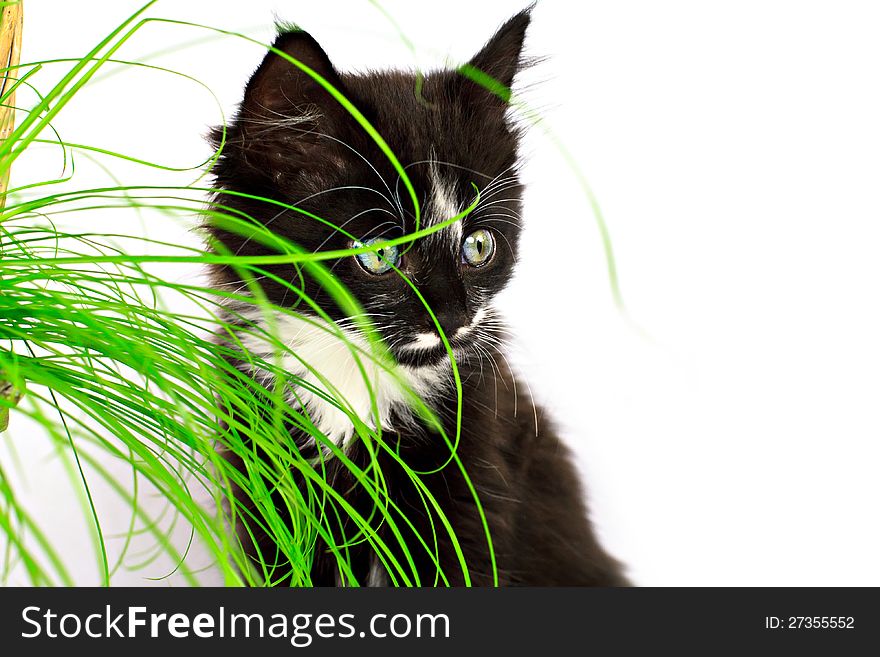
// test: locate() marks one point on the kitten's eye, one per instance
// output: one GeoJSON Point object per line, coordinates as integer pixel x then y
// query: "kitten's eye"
{"type": "Point", "coordinates": [478, 247]}
{"type": "Point", "coordinates": [379, 261]}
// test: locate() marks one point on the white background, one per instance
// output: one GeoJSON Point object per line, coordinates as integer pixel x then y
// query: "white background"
{"type": "Point", "coordinates": [729, 429]}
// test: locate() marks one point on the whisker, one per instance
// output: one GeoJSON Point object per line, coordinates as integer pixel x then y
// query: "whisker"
{"type": "Point", "coordinates": [516, 223]}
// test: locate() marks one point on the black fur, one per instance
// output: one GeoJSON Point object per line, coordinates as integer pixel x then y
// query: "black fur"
{"type": "Point", "coordinates": [292, 141]}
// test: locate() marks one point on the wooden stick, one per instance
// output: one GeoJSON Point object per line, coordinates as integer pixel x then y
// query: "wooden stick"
{"type": "Point", "coordinates": [10, 51]}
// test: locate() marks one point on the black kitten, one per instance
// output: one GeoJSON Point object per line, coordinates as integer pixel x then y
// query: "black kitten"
{"type": "Point", "coordinates": [293, 142]}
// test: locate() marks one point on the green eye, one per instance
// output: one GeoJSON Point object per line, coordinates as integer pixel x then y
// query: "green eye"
{"type": "Point", "coordinates": [477, 248]}
{"type": "Point", "coordinates": [379, 261]}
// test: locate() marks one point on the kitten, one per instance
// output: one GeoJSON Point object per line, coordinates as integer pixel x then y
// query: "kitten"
{"type": "Point", "coordinates": [293, 142]}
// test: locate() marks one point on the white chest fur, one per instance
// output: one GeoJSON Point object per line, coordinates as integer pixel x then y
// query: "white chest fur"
{"type": "Point", "coordinates": [335, 376]}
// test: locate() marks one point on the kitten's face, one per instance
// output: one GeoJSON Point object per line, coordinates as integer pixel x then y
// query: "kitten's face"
{"type": "Point", "coordinates": [293, 142]}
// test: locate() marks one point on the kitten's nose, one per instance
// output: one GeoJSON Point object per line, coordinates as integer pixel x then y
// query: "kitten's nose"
{"type": "Point", "coordinates": [450, 321]}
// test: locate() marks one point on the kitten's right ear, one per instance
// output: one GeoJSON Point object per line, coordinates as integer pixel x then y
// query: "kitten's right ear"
{"type": "Point", "coordinates": [281, 88]}
{"type": "Point", "coordinates": [287, 115]}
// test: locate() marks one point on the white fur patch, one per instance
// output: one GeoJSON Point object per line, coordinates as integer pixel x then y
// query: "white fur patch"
{"type": "Point", "coordinates": [478, 317]}
{"type": "Point", "coordinates": [377, 575]}
{"type": "Point", "coordinates": [327, 362]}
{"type": "Point", "coordinates": [423, 342]}
{"type": "Point", "coordinates": [442, 207]}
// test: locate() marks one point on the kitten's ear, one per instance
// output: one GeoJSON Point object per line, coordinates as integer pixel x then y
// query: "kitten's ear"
{"type": "Point", "coordinates": [501, 57]}
{"type": "Point", "coordinates": [280, 87]}
{"type": "Point", "coordinates": [289, 123]}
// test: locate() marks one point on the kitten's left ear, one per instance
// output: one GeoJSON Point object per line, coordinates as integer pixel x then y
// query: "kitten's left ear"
{"type": "Point", "coordinates": [501, 57]}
